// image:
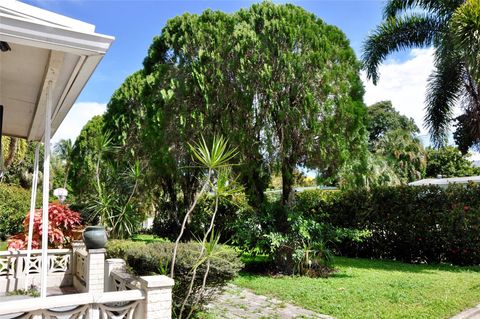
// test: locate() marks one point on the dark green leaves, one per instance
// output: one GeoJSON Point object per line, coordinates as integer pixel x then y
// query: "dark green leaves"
{"type": "Point", "coordinates": [397, 33]}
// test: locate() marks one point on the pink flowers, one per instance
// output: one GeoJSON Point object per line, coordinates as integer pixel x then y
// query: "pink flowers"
{"type": "Point", "coordinates": [61, 223]}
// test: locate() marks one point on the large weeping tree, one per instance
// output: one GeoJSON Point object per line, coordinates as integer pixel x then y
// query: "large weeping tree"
{"type": "Point", "coordinates": [281, 84]}
{"type": "Point", "coordinates": [425, 23]}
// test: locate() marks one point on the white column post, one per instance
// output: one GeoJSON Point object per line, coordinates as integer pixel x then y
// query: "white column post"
{"type": "Point", "coordinates": [45, 189]}
{"type": "Point", "coordinates": [158, 299]}
{"type": "Point", "coordinates": [95, 270]}
{"type": "Point", "coordinates": [111, 265]}
{"type": "Point", "coordinates": [33, 201]}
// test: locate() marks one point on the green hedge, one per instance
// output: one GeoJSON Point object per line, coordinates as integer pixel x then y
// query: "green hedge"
{"type": "Point", "coordinates": [155, 258]}
{"type": "Point", "coordinates": [14, 205]}
{"type": "Point", "coordinates": [412, 224]}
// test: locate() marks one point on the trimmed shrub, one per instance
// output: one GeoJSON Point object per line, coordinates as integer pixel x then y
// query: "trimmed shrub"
{"type": "Point", "coordinates": [14, 205]}
{"type": "Point", "coordinates": [411, 224]}
{"type": "Point", "coordinates": [155, 258]}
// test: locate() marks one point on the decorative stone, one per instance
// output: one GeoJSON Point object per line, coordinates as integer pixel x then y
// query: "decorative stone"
{"type": "Point", "coordinates": [95, 237]}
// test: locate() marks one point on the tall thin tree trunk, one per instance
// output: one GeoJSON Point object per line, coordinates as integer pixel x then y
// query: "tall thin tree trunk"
{"type": "Point", "coordinates": [12, 147]}
{"type": "Point", "coordinates": [287, 182]}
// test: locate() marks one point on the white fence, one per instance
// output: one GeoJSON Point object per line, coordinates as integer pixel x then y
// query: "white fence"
{"type": "Point", "coordinates": [14, 269]}
{"type": "Point", "coordinates": [105, 289]}
{"type": "Point", "coordinates": [121, 304]}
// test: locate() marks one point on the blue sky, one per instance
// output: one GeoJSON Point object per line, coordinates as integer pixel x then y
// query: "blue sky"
{"type": "Point", "coordinates": [135, 23]}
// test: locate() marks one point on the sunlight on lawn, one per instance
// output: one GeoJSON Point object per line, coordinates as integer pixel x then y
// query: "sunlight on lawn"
{"type": "Point", "coordinates": [377, 289]}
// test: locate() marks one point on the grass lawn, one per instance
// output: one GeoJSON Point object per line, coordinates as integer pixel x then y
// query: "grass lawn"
{"type": "Point", "coordinates": [377, 289]}
{"type": "Point", "coordinates": [148, 238]}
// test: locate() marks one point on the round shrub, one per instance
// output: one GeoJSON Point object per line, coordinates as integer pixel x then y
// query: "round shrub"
{"type": "Point", "coordinates": [155, 258]}
{"type": "Point", "coordinates": [14, 205]}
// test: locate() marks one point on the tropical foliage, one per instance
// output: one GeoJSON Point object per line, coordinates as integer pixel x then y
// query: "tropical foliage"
{"type": "Point", "coordinates": [61, 223]}
{"type": "Point", "coordinates": [446, 25]}
{"type": "Point", "coordinates": [14, 202]}
{"type": "Point", "coordinates": [448, 161]}
{"type": "Point", "coordinates": [395, 154]}
{"type": "Point", "coordinates": [383, 118]}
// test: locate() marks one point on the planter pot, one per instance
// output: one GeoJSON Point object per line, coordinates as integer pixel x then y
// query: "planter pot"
{"type": "Point", "coordinates": [94, 237]}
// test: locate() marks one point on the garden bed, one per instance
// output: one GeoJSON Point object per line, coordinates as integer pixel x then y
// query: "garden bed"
{"type": "Point", "coordinates": [376, 289]}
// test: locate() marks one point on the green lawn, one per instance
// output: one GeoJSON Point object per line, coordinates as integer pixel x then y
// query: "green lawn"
{"type": "Point", "coordinates": [148, 238]}
{"type": "Point", "coordinates": [3, 245]}
{"type": "Point", "coordinates": [377, 289]}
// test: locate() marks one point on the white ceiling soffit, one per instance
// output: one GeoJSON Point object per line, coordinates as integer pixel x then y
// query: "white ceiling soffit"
{"type": "Point", "coordinates": [45, 48]}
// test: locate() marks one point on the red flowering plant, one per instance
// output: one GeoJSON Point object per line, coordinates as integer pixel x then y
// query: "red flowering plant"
{"type": "Point", "coordinates": [61, 223]}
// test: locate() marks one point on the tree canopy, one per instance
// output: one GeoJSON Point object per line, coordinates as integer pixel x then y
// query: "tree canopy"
{"type": "Point", "coordinates": [274, 79]}
{"type": "Point", "coordinates": [395, 154]}
{"type": "Point", "coordinates": [448, 162]}
{"type": "Point", "coordinates": [382, 118]}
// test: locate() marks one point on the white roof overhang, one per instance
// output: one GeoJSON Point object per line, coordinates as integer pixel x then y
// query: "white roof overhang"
{"type": "Point", "coordinates": [46, 49]}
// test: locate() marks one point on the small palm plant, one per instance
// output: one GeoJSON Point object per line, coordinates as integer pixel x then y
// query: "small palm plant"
{"type": "Point", "coordinates": [218, 183]}
{"type": "Point", "coordinates": [213, 159]}
{"type": "Point", "coordinates": [115, 202]}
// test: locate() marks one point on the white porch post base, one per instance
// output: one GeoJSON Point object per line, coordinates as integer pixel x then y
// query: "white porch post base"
{"type": "Point", "coordinates": [94, 278]}
{"type": "Point", "coordinates": [112, 264]}
{"type": "Point", "coordinates": [158, 296]}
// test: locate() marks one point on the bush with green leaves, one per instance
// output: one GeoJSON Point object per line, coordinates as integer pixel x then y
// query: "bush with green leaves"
{"type": "Point", "coordinates": [14, 204]}
{"type": "Point", "coordinates": [299, 239]}
{"type": "Point", "coordinates": [155, 258]}
{"type": "Point", "coordinates": [413, 224]}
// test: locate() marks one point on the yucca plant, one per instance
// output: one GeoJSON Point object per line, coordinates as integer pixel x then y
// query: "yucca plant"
{"type": "Point", "coordinates": [115, 203]}
{"type": "Point", "coordinates": [213, 159]}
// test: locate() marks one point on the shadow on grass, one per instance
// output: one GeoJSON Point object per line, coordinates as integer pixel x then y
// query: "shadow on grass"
{"type": "Point", "coordinates": [389, 265]}
{"type": "Point", "coordinates": [260, 265]}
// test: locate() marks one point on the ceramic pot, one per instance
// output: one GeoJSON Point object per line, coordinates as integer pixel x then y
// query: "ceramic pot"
{"type": "Point", "coordinates": [94, 237]}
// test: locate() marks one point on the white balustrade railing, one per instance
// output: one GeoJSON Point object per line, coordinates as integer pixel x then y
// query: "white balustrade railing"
{"type": "Point", "coordinates": [105, 289]}
{"type": "Point", "coordinates": [14, 268]}
{"type": "Point", "coordinates": [118, 304]}
{"type": "Point", "coordinates": [14, 263]}
{"type": "Point", "coordinates": [81, 265]}
{"type": "Point", "coordinates": [121, 281]}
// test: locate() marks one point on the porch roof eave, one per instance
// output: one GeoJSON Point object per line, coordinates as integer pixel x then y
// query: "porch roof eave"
{"type": "Point", "coordinates": [46, 48]}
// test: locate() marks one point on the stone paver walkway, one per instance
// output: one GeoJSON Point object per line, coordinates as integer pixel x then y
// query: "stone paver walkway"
{"type": "Point", "coordinates": [473, 313]}
{"type": "Point", "coordinates": [236, 303]}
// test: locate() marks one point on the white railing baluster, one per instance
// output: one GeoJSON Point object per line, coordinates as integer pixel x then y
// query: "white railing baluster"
{"type": "Point", "coordinates": [17, 272]}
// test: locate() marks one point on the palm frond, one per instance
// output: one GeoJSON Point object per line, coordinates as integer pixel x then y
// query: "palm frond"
{"type": "Point", "coordinates": [465, 31]}
{"type": "Point", "coordinates": [415, 30]}
{"type": "Point", "coordinates": [440, 7]}
{"type": "Point", "coordinates": [216, 156]}
{"type": "Point", "coordinates": [444, 88]}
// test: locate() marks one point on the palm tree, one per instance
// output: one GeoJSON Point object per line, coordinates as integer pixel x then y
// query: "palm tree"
{"type": "Point", "coordinates": [405, 153]}
{"type": "Point", "coordinates": [423, 23]}
{"type": "Point", "coordinates": [465, 27]}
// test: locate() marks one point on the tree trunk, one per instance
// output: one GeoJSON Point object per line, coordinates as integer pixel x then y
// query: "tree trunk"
{"type": "Point", "coordinates": [255, 186]}
{"type": "Point", "coordinates": [12, 147]}
{"type": "Point", "coordinates": [287, 182]}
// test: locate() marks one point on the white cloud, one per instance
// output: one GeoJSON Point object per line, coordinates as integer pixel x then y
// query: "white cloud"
{"type": "Point", "coordinates": [78, 116]}
{"type": "Point", "coordinates": [405, 84]}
